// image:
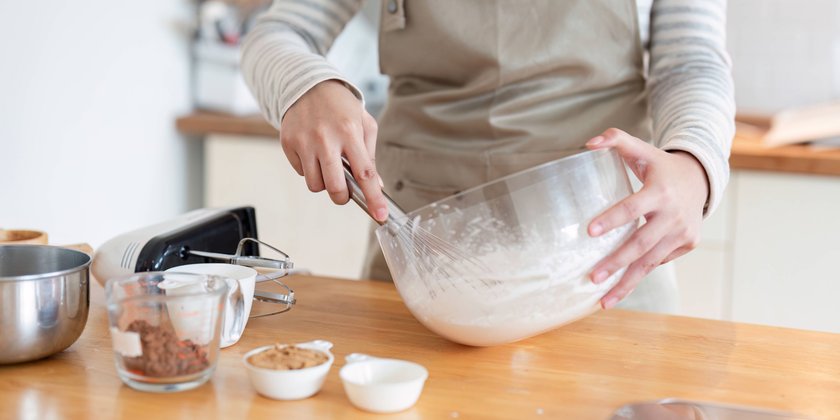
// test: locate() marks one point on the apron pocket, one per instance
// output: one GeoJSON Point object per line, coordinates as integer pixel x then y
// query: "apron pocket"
{"type": "Point", "coordinates": [412, 195]}
{"type": "Point", "coordinates": [415, 178]}
{"type": "Point", "coordinates": [424, 192]}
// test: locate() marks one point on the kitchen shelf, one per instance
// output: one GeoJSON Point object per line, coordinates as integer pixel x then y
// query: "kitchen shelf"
{"type": "Point", "coordinates": [747, 150]}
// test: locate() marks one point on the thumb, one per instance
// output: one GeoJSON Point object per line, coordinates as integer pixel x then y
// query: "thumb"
{"type": "Point", "coordinates": [636, 153]}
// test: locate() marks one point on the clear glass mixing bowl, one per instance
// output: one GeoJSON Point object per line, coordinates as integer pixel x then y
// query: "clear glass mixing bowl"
{"type": "Point", "coordinates": [524, 253]}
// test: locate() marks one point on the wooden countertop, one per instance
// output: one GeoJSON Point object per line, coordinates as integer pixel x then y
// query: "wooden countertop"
{"type": "Point", "coordinates": [747, 151]}
{"type": "Point", "coordinates": [582, 371]}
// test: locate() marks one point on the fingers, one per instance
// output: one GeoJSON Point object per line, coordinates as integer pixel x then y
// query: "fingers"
{"type": "Point", "coordinates": [639, 244]}
{"type": "Point", "coordinates": [294, 160]}
{"type": "Point", "coordinates": [636, 272]}
{"type": "Point", "coordinates": [348, 140]}
{"type": "Point", "coordinates": [636, 153]}
{"type": "Point", "coordinates": [305, 164]}
{"type": "Point", "coordinates": [623, 212]}
{"type": "Point", "coordinates": [332, 169]}
{"type": "Point", "coordinates": [312, 174]}
{"type": "Point", "coordinates": [670, 201]}
{"type": "Point", "coordinates": [627, 145]}
{"type": "Point", "coordinates": [316, 155]}
{"type": "Point", "coordinates": [371, 129]}
{"type": "Point", "coordinates": [679, 252]}
{"type": "Point", "coordinates": [365, 173]}
{"type": "Point", "coordinates": [323, 125]}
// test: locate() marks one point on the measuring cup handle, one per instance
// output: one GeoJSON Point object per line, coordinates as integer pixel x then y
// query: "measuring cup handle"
{"type": "Point", "coordinates": [233, 323]}
{"type": "Point", "coordinates": [358, 357]}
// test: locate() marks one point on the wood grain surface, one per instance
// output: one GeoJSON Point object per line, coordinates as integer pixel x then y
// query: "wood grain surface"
{"type": "Point", "coordinates": [23, 237]}
{"type": "Point", "coordinates": [747, 151]}
{"type": "Point", "coordinates": [202, 123]}
{"type": "Point", "coordinates": [581, 371]}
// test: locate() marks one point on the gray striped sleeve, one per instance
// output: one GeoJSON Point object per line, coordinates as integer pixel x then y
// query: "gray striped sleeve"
{"type": "Point", "coordinates": [691, 92]}
{"type": "Point", "coordinates": [283, 56]}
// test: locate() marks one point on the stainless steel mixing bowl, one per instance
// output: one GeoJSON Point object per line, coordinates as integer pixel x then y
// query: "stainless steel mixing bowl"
{"type": "Point", "coordinates": [43, 300]}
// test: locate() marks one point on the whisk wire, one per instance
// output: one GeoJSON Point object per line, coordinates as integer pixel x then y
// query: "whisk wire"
{"type": "Point", "coordinates": [441, 261]}
{"type": "Point", "coordinates": [438, 262]}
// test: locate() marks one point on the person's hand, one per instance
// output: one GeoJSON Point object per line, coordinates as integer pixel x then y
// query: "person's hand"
{"type": "Point", "coordinates": [326, 123]}
{"type": "Point", "coordinates": [672, 201]}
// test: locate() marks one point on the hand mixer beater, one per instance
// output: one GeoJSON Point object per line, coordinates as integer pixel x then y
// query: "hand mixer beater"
{"type": "Point", "coordinates": [437, 261]}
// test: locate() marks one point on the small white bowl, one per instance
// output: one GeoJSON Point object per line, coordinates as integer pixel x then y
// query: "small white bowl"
{"type": "Point", "coordinates": [290, 384]}
{"type": "Point", "coordinates": [382, 385]}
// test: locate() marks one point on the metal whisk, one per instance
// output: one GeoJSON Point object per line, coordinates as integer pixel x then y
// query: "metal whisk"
{"type": "Point", "coordinates": [435, 258]}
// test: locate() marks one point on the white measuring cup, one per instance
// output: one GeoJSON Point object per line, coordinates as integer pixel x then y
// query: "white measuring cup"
{"type": "Point", "coordinates": [382, 385]}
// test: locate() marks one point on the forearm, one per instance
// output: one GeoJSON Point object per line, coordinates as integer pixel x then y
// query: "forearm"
{"type": "Point", "coordinates": [691, 91]}
{"type": "Point", "coordinates": [283, 56]}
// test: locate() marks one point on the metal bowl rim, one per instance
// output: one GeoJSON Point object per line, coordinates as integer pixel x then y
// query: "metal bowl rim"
{"type": "Point", "coordinates": [44, 276]}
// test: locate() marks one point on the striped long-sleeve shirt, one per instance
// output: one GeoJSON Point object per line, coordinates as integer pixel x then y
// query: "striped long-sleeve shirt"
{"type": "Point", "coordinates": [689, 81]}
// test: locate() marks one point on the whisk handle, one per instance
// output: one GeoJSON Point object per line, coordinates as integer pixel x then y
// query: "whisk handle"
{"type": "Point", "coordinates": [395, 213]}
{"type": "Point", "coordinates": [356, 191]}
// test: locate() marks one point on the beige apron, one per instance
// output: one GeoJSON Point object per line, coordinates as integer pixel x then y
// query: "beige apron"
{"type": "Point", "coordinates": [484, 88]}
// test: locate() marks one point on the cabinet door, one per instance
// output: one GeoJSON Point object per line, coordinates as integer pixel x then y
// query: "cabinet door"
{"type": "Point", "coordinates": [703, 275]}
{"type": "Point", "coordinates": [327, 239]}
{"type": "Point", "coordinates": [787, 250]}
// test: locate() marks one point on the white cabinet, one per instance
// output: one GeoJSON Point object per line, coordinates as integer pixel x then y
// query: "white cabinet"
{"type": "Point", "coordinates": [767, 255]}
{"type": "Point", "coordinates": [770, 254]}
{"type": "Point", "coordinates": [703, 275]}
{"type": "Point", "coordinates": [327, 239]}
{"type": "Point", "coordinates": [787, 250]}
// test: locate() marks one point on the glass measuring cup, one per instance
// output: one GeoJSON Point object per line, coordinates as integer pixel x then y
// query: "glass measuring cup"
{"type": "Point", "coordinates": [165, 342]}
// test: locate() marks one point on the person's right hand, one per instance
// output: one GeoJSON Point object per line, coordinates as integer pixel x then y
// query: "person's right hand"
{"type": "Point", "coordinates": [326, 123]}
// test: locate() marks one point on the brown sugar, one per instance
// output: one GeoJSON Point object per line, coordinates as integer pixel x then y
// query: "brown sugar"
{"type": "Point", "coordinates": [163, 354]}
{"type": "Point", "coordinates": [283, 357]}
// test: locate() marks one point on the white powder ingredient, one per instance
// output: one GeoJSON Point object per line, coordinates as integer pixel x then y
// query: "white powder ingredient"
{"type": "Point", "coordinates": [535, 286]}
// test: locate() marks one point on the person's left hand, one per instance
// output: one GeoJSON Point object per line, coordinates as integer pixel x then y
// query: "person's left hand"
{"type": "Point", "coordinates": [672, 201]}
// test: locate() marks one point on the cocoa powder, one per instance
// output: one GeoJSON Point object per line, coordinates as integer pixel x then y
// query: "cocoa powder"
{"type": "Point", "coordinates": [163, 354]}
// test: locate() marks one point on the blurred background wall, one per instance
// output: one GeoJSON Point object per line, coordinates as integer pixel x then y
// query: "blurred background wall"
{"type": "Point", "coordinates": [89, 92]}
{"type": "Point", "coordinates": [786, 53]}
